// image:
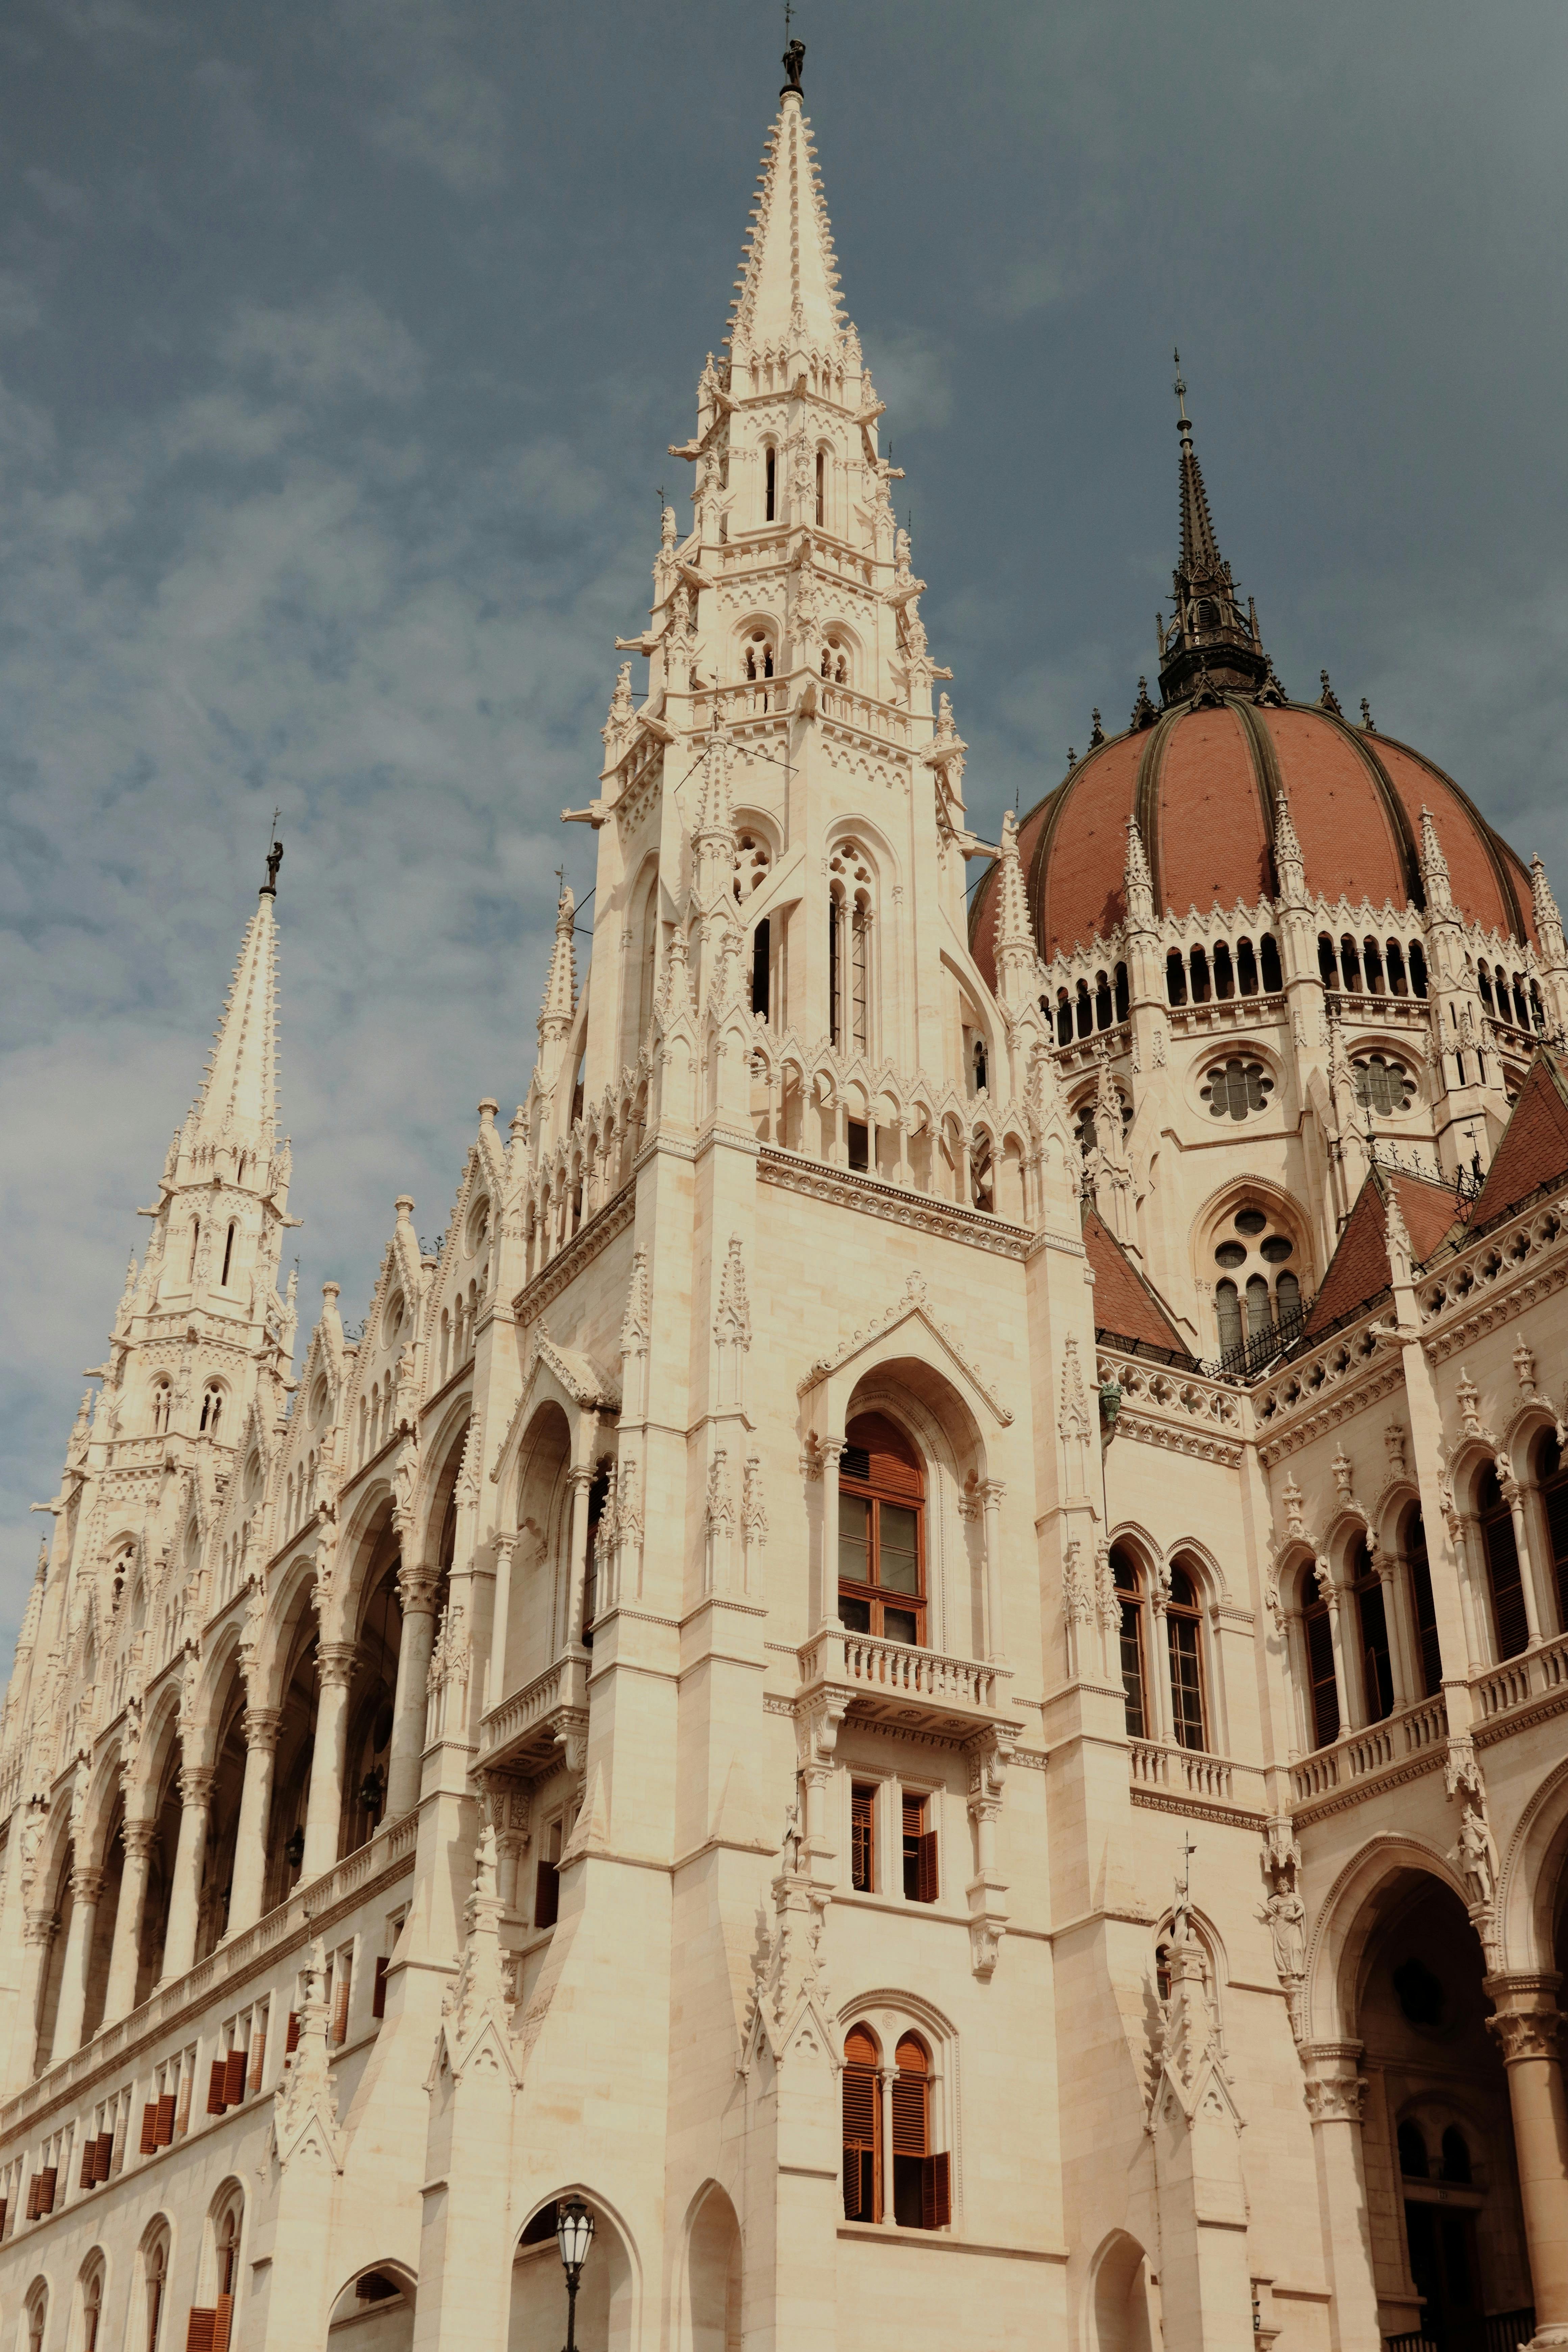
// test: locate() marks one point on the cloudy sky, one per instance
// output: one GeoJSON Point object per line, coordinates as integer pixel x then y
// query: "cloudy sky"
{"type": "Point", "coordinates": [339, 346]}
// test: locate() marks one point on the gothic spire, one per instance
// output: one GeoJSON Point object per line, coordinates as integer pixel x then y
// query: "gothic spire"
{"type": "Point", "coordinates": [787, 295]}
{"type": "Point", "coordinates": [561, 987]}
{"type": "Point", "coordinates": [236, 1102]}
{"type": "Point", "coordinates": [1016, 959]}
{"type": "Point", "coordinates": [1208, 631]}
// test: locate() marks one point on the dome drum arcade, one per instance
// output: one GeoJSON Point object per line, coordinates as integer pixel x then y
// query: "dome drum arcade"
{"type": "Point", "coordinates": [693, 1707]}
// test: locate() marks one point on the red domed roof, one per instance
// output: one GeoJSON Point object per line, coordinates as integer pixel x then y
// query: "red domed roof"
{"type": "Point", "coordinates": [1204, 780]}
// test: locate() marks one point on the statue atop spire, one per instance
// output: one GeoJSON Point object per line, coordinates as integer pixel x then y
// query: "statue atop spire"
{"type": "Point", "coordinates": [1211, 642]}
{"type": "Point", "coordinates": [793, 58]}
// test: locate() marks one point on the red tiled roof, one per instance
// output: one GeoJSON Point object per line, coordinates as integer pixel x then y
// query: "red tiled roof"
{"type": "Point", "coordinates": [1080, 894]}
{"type": "Point", "coordinates": [1533, 1147]}
{"type": "Point", "coordinates": [1359, 1267]}
{"type": "Point", "coordinates": [1350, 842]}
{"type": "Point", "coordinates": [1466, 841]}
{"type": "Point", "coordinates": [1124, 1303]}
{"type": "Point", "coordinates": [1214, 846]}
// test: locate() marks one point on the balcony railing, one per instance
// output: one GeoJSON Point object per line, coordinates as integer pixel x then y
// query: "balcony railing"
{"type": "Point", "coordinates": [521, 1731]}
{"type": "Point", "coordinates": [1194, 1772]}
{"type": "Point", "coordinates": [1377, 1747]}
{"type": "Point", "coordinates": [1500, 2331]}
{"type": "Point", "coordinates": [895, 1683]}
{"type": "Point", "coordinates": [1534, 1674]}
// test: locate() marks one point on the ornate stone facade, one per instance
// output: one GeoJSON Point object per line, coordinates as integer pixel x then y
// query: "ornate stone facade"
{"type": "Point", "coordinates": [918, 1440]}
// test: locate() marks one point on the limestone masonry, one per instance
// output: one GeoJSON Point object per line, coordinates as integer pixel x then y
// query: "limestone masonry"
{"type": "Point", "coordinates": [929, 1656]}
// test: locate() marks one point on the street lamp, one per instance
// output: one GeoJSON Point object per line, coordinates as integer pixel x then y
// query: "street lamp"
{"type": "Point", "coordinates": [574, 2235]}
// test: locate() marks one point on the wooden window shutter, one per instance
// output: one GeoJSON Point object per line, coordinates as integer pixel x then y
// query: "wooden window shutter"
{"type": "Point", "coordinates": [341, 1984]}
{"type": "Point", "coordinates": [862, 1843]}
{"type": "Point", "coordinates": [862, 2134]}
{"type": "Point", "coordinates": [926, 1868]}
{"type": "Point", "coordinates": [4, 2202]}
{"type": "Point", "coordinates": [909, 2115]}
{"type": "Point", "coordinates": [149, 2139]}
{"type": "Point", "coordinates": [102, 2156]}
{"type": "Point", "coordinates": [1320, 1666]}
{"type": "Point", "coordinates": [46, 2191]}
{"type": "Point", "coordinates": [200, 2329]}
{"type": "Point", "coordinates": [33, 2197]}
{"type": "Point", "coordinates": [257, 2051]}
{"type": "Point", "coordinates": [291, 2039]}
{"type": "Point", "coordinates": [1557, 1522]}
{"type": "Point", "coordinates": [222, 2321]}
{"type": "Point", "coordinates": [936, 2192]}
{"type": "Point", "coordinates": [233, 2079]}
{"type": "Point", "coordinates": [164, 2131]}
{"type": "Point", "coordinates": [378, 1996]}
{"type": "Point", "coordinates": [88, 2150]}
{"type": "Point", "coordinates": [215, 2081]}
{"type": "Point", "coordinates": [892, 1463]}
{"type": "Point", "coordinates": [1508, 1592]}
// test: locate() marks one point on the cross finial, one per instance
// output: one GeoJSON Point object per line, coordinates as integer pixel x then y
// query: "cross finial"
{"type": "Point", "coordinates": [1180, 388]}
{"type": "Point", "coordinates": [1184, 1884]}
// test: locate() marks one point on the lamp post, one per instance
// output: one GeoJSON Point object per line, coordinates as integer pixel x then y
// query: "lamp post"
{"type": "Point", "coordinates": [574, 2235]}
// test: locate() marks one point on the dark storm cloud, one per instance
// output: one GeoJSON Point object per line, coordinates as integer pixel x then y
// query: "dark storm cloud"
{"type": "Point", "coordinates": [339, 350]}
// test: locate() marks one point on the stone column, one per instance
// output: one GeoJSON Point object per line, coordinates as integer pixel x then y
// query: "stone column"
{"type": "Point", "coordinates": [1527, 2026]}
{"type": "Point", "coordinates": [1513, 1496]}
{"type": "Point", "coordinates": [830, 1452]}
{"type": "Point", "coordinates": [262, 1726]}
{"type": "Point", "coordinates": [992, 1493]}
{"type": "Point", "coordinates": [495, 1675]}
{"type": "Point", "coordinates": [1332, 1595]}
{"type": "Point", "coordinates": [1158, 1676]}
{"type": "Point", "coordinates": [124, 1960]}
{"type": "Point", "coordinates": [582, 1477]}
{"type": "Point", "coordinates": [1335, 2089]}
{"type": "Point", "coordinates": [190, 1857]}
{"type": "Point", "coordinates": [87, 1885]}
{"type": "Point", "coordinates": [886, 2077]}
{"type": "Point", "coordinates": [417, 1590]}
{"type": "Point", "coordinates": [37, 1937]}
{"type": "Point", "coordinates": [324, 1810]}
{"type": "Point", "coordinates": [1403, 1640]}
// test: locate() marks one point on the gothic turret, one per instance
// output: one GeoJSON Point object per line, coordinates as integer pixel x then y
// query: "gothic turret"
{"type": "Point", "coordinates": [1209, 644]}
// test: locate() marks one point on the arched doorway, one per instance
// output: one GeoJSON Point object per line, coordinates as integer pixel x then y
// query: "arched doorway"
{"type": "Point", "coordinates": [375, 2312]}
{"type": "Point", "coordinates": [1451, 2259]}
{"type": "Point", "coordinates": [713, 2277]}
{"type": "Point", "coordinates": [537, 2322]}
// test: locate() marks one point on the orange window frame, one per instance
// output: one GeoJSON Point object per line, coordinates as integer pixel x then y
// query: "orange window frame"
{"type": "Point", "coordinates": [877, 1597]}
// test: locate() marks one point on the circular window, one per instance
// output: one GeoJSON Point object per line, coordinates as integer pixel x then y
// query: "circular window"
{"type": "Point", "coordinates": [1237, 1089]}
{"type": "Point", "coordinates": [1250, 1221]}
{"type": "Point", "coordinates": [1277, 1249]}
{"type": "Point", "coordinates": [1382, 1085]}
{"type": "Point", "coordinates": [1230, 1254]}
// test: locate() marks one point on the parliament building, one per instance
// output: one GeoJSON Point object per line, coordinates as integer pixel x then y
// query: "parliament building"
{"type": "Point", "coordinates": [926, 1658]}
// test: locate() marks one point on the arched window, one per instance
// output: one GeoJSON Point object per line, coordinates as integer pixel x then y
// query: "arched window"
{"type": "Point", "coordinates": [92, 2302]}
{"type": "Point", "coordinates": [1184, 1634]}
{"type": "Point", "coordinates": [1124, 996]}
{"type": "Point", "coordinates": [1551, 1477]}
{"type": "Point", "coordinates": [195, 1244]}
{"type": "Point", "coordinates": [1456, 2155]}
{"type": "Point", "coordinates": [1198, 964]}
{"type": "Point", "coordinates": [862, 2127]}
{"type": "Point", "coordinates": [1273, 978]}
{"type": "Point", "coordinates": [1397, 982]}
{"type": "Point", "coordinates": [922, 2182]}
{"type": "Point", "coordinates": [227, 1254]}
{"type": "Point", "coordinates": [37, 2315]}
{"type": "Point", "coordinates": [1521, 1010]}
{"type": "Point", "coordinates": [1328, 962]}
{"type": "Point", "coordinates": [212, 1409]}
{"type": "Point", "coordinates": [1103, 1002]}
{"type": "Point", "coordinates": [835, 662]}
{"type": "Point", "coordinates": [1349, 962]}
{"type": "Point", "coordinates": [1227, 1315]}
{"type": "Point", "coordinates": [162, 1398]}
{"type": "Point", "coordinates": [822, 485]}
{"type": "Point", "coordinates": [1246, 968]}
{"type": "Point", "coordinates": [1536, 1009]}
{"type": "Point", "coordinates": [881, 1537]}
{"type": "Point", "coordinates": [1509, 1624]}
{"type": "Point", "coordinates": [598, 1496]}
{"type": "Point", "coordinates": [1417, 968]}
{"type": "Point", "coordinates": [1376, 1666]}
{"type": "Point", "coordinates": [1484, 982]}
{"type": "Point", "coordinates": [1130, 1598]}
{"type": "Point", "coordinates": [762, 954]}
{"type": "Point", "coordinates": [1323, 1691]}
{"type": "Point", "coordinates": [770, 484]}
{"type": "Point", "coordinates": [1425, 1605]}
{"type": "Point", "coordinates": [1175, 979]}
{"type": "Point", "coordinates": [1372, 963]}
{"type": "Point", "coordinates": [848, 948]}
{"type": "Point", "coordinates": [1414, 2161]}
{"type": "Point", "coordinates": [758, 659]}
{"type": "Point", "coordinates": [1085, 1011]}
{"type": "Point", "coordinates": [1224, 977]}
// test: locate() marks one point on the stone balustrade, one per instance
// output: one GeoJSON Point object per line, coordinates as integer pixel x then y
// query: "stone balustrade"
{"type": "Point", "coordinates": [895, 1683]}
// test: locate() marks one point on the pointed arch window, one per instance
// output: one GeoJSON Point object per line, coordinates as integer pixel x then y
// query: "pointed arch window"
{"type": "Point", "coordinates": [1183, 1635]}
{"type": "Point", "coordinates": [882, 1533]}
{"type": "Point", "coordinates": [1130, 1602]}
{"type": "Point", "coordinates": [921, 2184]}
{"type": "Point", "coordinates": [848, 948]}
{"type": "Point", "coordinates": [212, 1409]}
{"type": "Point", "coordinates": [1322, 1683]}
{"type": "Point", "coordinates": [195, 1244]}
{"type": "Point", "coordinates": [1509, 1624]}
{"type": "Point", "coordinates": [862, 2127]}
{"type": "Point", "coordinates": [1425, 1607]}
{"type": "Point", "coordinates": [1372, 1619]}
{"type": "Point", "coordinates": [1551, 1477]}
{"type": "Point", "coordinates": [227, 1254]}
{"type": "Point", "coordinates": [822, 485]}
{"type": "Point", "coordinates": [770, 483]}
{"type": "Point", "coordinates": [162, 1397]}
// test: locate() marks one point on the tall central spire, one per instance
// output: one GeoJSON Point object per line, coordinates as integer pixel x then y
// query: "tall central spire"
{"type": "Point", "coordinates": [787, 295]}
{"type": "Point", "coordinates": [1210, 643]}
{"type": "Point", "coordinates": [237, 1099]}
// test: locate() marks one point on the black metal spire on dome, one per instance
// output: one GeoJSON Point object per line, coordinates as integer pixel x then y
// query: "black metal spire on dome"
{"type": "Point", "coordinates": [1209, 642]}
